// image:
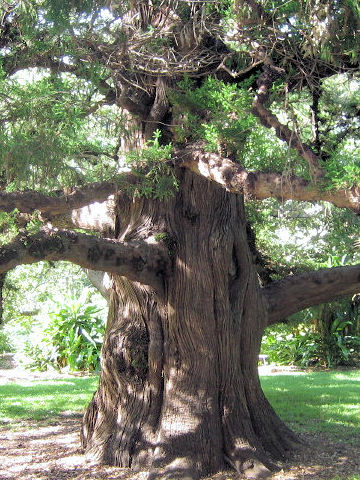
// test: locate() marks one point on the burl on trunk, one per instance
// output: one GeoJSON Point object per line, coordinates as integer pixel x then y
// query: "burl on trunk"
{"type": "Point", "coordinates": [179, 391]}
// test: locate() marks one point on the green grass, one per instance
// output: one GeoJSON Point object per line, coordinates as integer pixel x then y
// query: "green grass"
{"type": "Point", "coordinates": [318, 401]}
{"type": "Point", "coordinates": [307, 402]}
{"type": "Point", "coordinates": [352, 477]}
{"type": "Point", "coordinates": [44, 399]}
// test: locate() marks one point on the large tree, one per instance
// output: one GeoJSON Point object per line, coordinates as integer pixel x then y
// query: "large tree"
{"type": "Point", "coordinates": [132, 134]}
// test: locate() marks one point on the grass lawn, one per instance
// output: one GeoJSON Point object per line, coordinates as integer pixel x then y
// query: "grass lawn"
{"type": "Point", "coordinates": [318, 401]}
{"type": "Point", "coordinates": [308, 402]}
{"type": "Point", "coordinates": [45, 399]}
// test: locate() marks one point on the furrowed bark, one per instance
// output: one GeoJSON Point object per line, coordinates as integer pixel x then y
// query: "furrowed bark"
{"type": "Point", "coordinates": [179, 392]}
{"type": "Point", "coordinates": [259, 185]}
{"type": "Point", "coordinates": [139, 261]}
{"type": "Point", "coordinates": [294, 293]}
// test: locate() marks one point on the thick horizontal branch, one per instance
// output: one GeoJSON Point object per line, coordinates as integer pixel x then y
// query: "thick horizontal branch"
{"type": "Point", "coordinates": [60, 202]}
{"type": "Point", "coordinates": [296, 292]}
{"type": "Point", "coordinates": [139, 261]}
{"type": "Point", "coordinates": [96, 217]}
{"type": "Point", "coordinates": [259, 185]}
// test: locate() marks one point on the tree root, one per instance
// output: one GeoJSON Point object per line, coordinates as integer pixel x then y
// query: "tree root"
{"type": "Point", "coordinates": [252, 467]}
{"type": "Point", "coordinates": [178, 469]}
{"type": "Point", "coordinates": [255, 469]}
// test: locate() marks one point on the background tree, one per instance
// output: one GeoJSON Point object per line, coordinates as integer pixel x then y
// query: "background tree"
{"type": "Point", "coordinates": [208, 104]}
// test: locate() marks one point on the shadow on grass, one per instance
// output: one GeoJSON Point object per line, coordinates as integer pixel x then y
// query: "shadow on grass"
{"type": "Point", "coordinates": [49, 448]}
{"type": "Point", "coordinates": [317, 402]}
{"type": "Point", "coordinates": [54, 452]}
{"type": "Point", "coordinates": [44, 399]}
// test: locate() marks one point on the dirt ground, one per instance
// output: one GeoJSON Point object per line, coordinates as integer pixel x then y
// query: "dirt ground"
{"type": "Point", "coordinates": [43, 451]}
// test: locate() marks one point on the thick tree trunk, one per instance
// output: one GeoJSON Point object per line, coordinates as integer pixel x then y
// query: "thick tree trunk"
{"type": "Point", "coordinates": [179, 390]}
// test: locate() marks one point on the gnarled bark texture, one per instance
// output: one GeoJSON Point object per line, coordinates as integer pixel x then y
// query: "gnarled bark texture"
{"type": "Point", "coordinates": [179, 391]}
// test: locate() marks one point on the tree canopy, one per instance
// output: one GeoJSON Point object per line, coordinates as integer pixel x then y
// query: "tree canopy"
{"type": "Point", "coordinates": [132, 133]}
{"type": "Point", "coordinates": [259, 97]}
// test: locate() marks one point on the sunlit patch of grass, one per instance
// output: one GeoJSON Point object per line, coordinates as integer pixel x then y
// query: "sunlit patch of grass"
{"type": "Point", "coordinates": [312, 402]}
{"type": "Point", "coordinates": [351, 477]}
{"type": "Point", "coordinates": [45, 399]}
{"type": "Point", "coordinates": [318, 401]}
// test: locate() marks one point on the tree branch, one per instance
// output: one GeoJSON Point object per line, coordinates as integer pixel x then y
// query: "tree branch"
{"type": "Point", "coordinates": [259, 185]}
{"type": "Point", "coordinates": [283, 132]}
{"type": "Point", "coordinates": [23, 59]}
{"type": "Point", "coordinates": [117, 95]}
{"type": "Point", "coordinates": [61, 202]}
{"type": "Point", "coordinates": [139, 261]}
{"type": "Point", "coordinates": [296, 292]}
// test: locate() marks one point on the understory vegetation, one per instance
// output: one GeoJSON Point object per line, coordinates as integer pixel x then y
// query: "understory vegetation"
{"type": "Point", "coordinates": [53, 328]}
{"type": "Point", "coordinates": [324, 336]}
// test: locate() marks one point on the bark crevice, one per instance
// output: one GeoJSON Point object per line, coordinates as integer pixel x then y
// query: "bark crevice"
{"type": "Point", "coordinates": [198, 401]}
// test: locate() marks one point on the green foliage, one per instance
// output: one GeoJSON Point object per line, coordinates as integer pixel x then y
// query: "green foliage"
{"type": "Point", "coordinates": [60, 11]}
{"type": "Point", "coordinates": [38, 357]}
{"type": "Point", "coordinates": [45, 132]}
{"type": "Point", "coordinates": [8, 226]}
{"type": "Point", "coordinates": [5, 343]}
{"type": "Point", "coordinates": [72, 339]}
{"type": "Point", "coordinates": [215, 112]}
{"type": "Point", "coordinates": [153, 169]}
{"type": "Point", "coordinates": [29, 296]}
{"type": "Point", "coordinates": [339, 130]}
{"type": "Point", "coordinates": [29, 291]}
{"type": "Point", "coordinates": [286, 345]}
{"type": "Point", "coordinates": [343, 167]}
{"type": "Point", "coordinates": [299, 236]}
{"type": "Point", "coordinates": [327, 335]}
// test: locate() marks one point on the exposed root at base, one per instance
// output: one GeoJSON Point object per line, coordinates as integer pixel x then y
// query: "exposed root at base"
{"type": "Point", "coordinates": [255, 469]}
{"type": "Point", "coordinates": [178, 469]}
{"type": "Point", "coordinates": [252, 468]}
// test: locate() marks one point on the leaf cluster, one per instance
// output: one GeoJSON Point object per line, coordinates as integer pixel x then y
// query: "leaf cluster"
{"type": "Point", "coordinates": [340, 130]}
{"type": "Point", "coordinates": [216, 112]}
{"type": "Point", "coordinates": [326, 335]}
{"type": "Point", "coordinates": [153, 169]}
{"type": "Point", "coordinates": [45, 140]}
{"type": "Point", "coordinates": [300, 236]}
{"type": "Point", "coordinates": [29, 296]}
{"type": "Point", "coordinates": [75, 334]}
